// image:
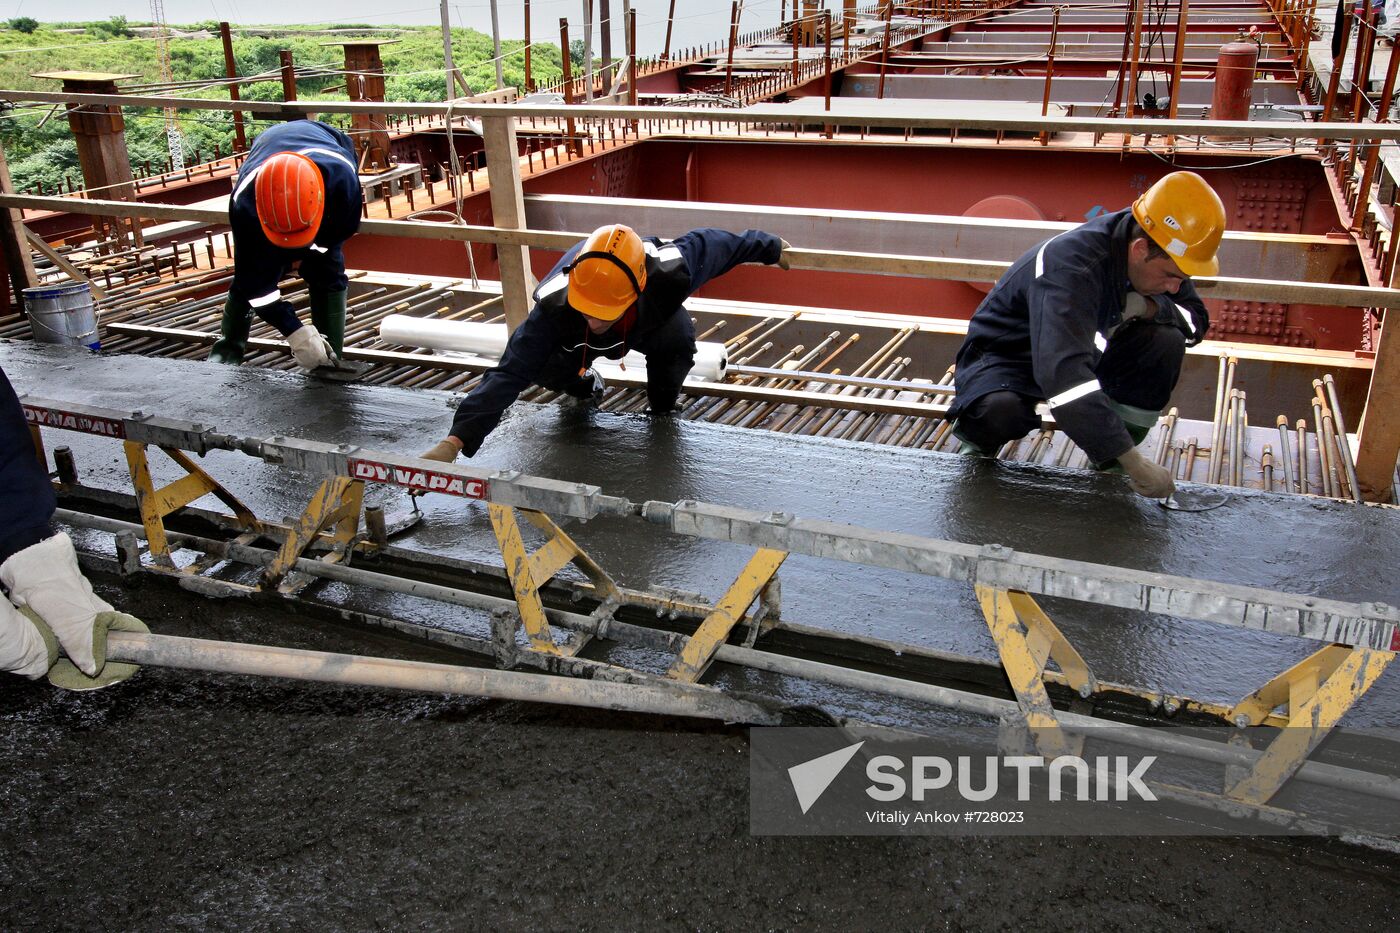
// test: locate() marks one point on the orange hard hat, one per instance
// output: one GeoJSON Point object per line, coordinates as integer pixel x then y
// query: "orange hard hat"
{"type": "Point", "coordinates": [291, 197]}
{"type": "Point", "coordinates": [1183, 215]}
{"type": "Point", "coordinates": [609, 273]}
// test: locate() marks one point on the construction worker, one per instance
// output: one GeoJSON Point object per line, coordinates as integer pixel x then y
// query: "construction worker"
{"type": "Point", "coordinates": [48, 603]}
{"type": "Point", "coordinates": [296, 201]}
{"type": "Point", "coordinates": [1094, 324]}
{"type": "Point", "coordinates": [611, 293]}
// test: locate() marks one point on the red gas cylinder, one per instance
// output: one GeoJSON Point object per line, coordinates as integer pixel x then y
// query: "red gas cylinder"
{"type": "Point", "coordinates": [1234, 81]}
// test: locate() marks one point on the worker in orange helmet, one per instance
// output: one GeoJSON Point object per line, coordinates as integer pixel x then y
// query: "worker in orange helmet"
{"type": "Point", "coordinates": [1094, 324]}
{"type": "Point", "coordinates": [614, 292]}
{"type": "Point", "coordinates": [296, 201]}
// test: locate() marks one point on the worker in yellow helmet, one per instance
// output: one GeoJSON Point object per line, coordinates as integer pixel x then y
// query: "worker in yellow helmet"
{"type": "Point", "coordinates": [614, 292]}
{"type": "Point", "coordinates": [1095, 323]}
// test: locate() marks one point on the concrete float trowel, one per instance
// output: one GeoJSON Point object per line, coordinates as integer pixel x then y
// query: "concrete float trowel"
{"type": "Point", "coordinates": [342, 370]}
{"type": "Point", "coordinates": [1194, 500]}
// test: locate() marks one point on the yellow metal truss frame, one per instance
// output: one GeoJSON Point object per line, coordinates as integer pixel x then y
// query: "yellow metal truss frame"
{"type": "Point", "coordinates": [528, 572]}
{"type": "Point", "coordinates": [1317, 691]}
{"type": "Point", "coordinates": [1027, 641]}
{"type": "Point", "coordinates": [337, 502]}
{"type": "Point", "coordinates": [754, 582]}
{"type": "Point", "coordinates": [155, 503]}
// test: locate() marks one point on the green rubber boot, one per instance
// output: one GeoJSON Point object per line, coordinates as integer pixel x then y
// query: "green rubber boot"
{"type": "Point", "coordinates": [1138, 421]}
{"type": "Point", "coordinates": [328, 315]}
{"type": "Point", "coordinates": [233, 333]}
{"type": "Point", "coordinates": [969, 449]}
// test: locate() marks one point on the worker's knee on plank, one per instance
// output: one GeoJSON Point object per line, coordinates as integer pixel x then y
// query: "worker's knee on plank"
{"type": "Point", "coordinates": [1141, 371]}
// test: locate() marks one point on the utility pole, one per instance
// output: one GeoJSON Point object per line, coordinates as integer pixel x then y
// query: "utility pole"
{"type": "Point", "coordinates": [447, 53]}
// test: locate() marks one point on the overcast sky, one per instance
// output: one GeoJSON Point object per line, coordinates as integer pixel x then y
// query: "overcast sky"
{"type": "Point", "coordinates": [697, 21]}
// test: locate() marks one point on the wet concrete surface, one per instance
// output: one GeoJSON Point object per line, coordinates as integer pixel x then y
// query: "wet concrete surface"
{"type": "Point", "coordinates": [196, 801]}
{"type": "Point", "coordinates": [1288, 543]}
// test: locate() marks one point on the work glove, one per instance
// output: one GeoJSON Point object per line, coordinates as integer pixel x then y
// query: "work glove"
{"type": "Point", "coordinates": [66, 675]}
{"type": "Point", "coordinates": [783, 262]}
{"type": "Point", "coordinates": [45, 577]}
{"type": "Point", "coordinates": [589, 386]}
{"type": "Point", "coordinates": [1147, 478]}
{"type": "Point", "coordinates": [311, 350]}
{"type": "Point", "coordinates": [27, 646]}
{"type": "Point", "coordinates": [444, 451]}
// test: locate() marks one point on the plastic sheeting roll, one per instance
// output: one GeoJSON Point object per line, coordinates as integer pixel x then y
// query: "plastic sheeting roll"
{"type": "Point", "coordinates": [488, 341]}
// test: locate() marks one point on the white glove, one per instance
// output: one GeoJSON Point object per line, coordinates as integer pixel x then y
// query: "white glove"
{"type": "Point", "coordinates": [45, 577]}
{"type": "Point", "coordinates": [1147, 478]}
{"type": "Point", "coordinates": [311, 350]}
{"type": "Point", "coordinates": [26, 648]}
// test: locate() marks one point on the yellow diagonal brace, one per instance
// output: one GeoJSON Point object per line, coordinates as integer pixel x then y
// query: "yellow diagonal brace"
{"type": "Point", "coordinates": [338, 500]}
{"type": "Point", "coordinates": [1024, 672]}
{"type": "Point", "coordinates": [1294, 686]}
{"type": "Point", "coordinates": [155, 504]}
{"type": "Point", "coordinates": [38, 438]}
{"type": "Point", "coordinates": [1047, 641]}
{"type": "Point", "coordinates": [519, 569]}
{"type": "Point", "coordinates": [604, 587]}
{"type": "Point", "coordinates": [1309, 723]}
{"type": "Point", "coordinates": [696, 654]}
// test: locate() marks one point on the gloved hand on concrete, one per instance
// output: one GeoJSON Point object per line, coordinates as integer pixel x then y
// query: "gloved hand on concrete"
{"type": "Point", "coordinates": [310, 348]}
{"type": "Point", "coordinates": [783, 262]}
{"type": "Point", "coordinates": [1147, 478]}
{"type": "Point", "coordinates": [598, 385]}
{"type": "Point", "coordinates": [444, 451]}
{"type": "Point", "coordinates": [45, 577]}
{"type": "Point", "coordinates": [27, 648]}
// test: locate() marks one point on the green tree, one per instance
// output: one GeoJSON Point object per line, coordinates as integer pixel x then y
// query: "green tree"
{"type": "Point", "coordinates": [24, 24]}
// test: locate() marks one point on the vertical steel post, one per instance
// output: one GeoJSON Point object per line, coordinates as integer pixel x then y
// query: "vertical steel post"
{"type": "Point", "coordinates": [797, 27]}
{"type": "Point", "coordinates": [289, 79]}
{"type": "Point", "coordinates": [733, 38]}
{"type": "Point", "coordinates": [632, 60]}
{"type": "Point", "coordinates": [231, 69]}
{"type": "Point", "coordinates": [1178, 57]}
{"type": "Point", "coordinates": [1133, 61]}
{"type": "Point", "coordinates": [447, 61]}
{"type": "Point", "coordinates": [529, 77]}
{"type": "Point", "coordinates": [588, 51]}
{"type": "Point", "coordinates": [670, 21]}
{"type": "Point", "coordinates": [569, 127]}
{"type": "Point", "coordinates": [496, 45]}
{"type": "Point", "coordinates": [885, 52]}
{"type": "Point", "coordinates": [826, 24]}
{"type": "Point", "coordinates": [605, 27]}
{"type": "Point", "coordinates": [14, 242]}
{"type": "Point", "coordinates": [1050, 71]}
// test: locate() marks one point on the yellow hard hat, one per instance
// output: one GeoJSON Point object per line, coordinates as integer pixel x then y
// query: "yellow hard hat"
{"type": "Point", "coordinates": [1183, 215]}
{"type": "Point", "coordinates": [609, 273]}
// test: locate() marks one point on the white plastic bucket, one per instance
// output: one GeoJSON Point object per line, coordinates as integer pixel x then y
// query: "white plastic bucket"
{"type": "Point", "coordinates": [62, 314]}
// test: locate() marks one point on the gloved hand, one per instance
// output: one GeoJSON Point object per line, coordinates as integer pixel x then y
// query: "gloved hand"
{"type": "Point", "coordinates": [783, 262]}
{"type": "Point", "coordinates": [444, 451]}
{"type": "Point", "coordinates": [1147, 478]}
{"type": "Point", "coordinates": [45, 577]}
{"type": "Point", "coordinates": [310, 348]}
{"type": "Point", "coordinates": [27, 647]}
{"type": "Point", "coordinates": [599, 386]}
{"type": "Point", "coordinates": [65, 675]}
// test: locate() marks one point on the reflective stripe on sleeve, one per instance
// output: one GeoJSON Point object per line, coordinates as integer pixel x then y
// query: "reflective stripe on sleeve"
{"type": "Point", "coordinates": [262, 301]}
{"type": "Point", "coordinates": [1099, 342]}
{"type": "Point", "coordinates": [329, 152]}
{"type": "Point", "coordinates": [550, 286]}
{"type": "Point", "coordinates": [1074, 394]}
{"type": "Point", "coordinates": [1186, 316]}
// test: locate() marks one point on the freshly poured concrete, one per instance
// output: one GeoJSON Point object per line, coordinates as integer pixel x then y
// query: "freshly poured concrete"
{"type": "Point", "coordinates": [1281, 542]}
{"type": "Point", "coordinates": [182, 799]}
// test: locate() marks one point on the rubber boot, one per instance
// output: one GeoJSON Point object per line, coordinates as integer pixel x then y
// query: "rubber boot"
{"type": "Point", "coordinates": [233, 333]}
{"type": "Point", "coordinates": [1138, 421]}
{"type": "Point", "coordinates": [328, 316]}
{"type": "Point", "coordinates": [969, 449]}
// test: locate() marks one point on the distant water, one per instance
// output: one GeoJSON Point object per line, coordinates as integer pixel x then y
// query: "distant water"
{"type": "Point", "coordinates": [697, 21]}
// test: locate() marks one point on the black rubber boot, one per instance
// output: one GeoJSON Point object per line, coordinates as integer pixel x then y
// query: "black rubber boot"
{"type": "Point", "coordinates": [328, 315]}
{"type": "Point", "coordinates": [233, 333]}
